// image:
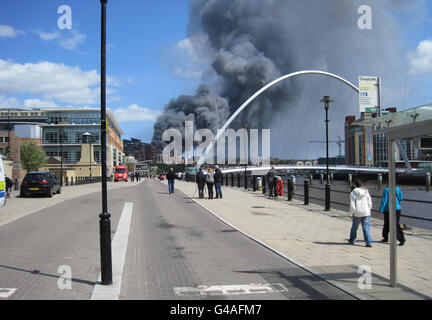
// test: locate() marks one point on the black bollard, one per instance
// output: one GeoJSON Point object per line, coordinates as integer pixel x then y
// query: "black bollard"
{"type": "Point", "coordinates": [327, 197]}
{"type": "Point", "coordinates": [245, 181]}
{"type": "Point", "coordinates": [67, 181]}
{"type": "Point", "coordinates": [290, 190]}
{"type": "Point", "coordinates": [264, 183]}
{"type": "Point", "coordinates": [238, 180]}
{"type": "Point", "coordinates": [232, 179]}
{"type": "Point", "coordinates": [16, 187]}
{"type": "Point", "coordinates": [306, 192]}
{"type": "Point", "coordinates": [254, 183]}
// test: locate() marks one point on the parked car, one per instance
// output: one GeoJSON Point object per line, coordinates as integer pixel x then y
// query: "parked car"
{"type": "Point", "coordinates": [39, 183]}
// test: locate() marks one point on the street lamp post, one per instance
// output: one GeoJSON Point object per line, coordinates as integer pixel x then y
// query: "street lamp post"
{"type": "Point", "coordinates": [61, 156]}
{"type": "Point", "coordinates": [327, 101]}
{"type": "Point", "coordinates": [87, 139]}
{"type": "Point", "coordinates": [104, 222]}
{"type": "Point", "coordinates": [8, 147]}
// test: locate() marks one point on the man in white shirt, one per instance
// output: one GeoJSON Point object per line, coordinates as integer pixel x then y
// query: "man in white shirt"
{"type": "Point", "coordinates": [360, 210]}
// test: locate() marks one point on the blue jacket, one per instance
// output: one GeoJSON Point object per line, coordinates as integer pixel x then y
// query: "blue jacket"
{"type": "Point", "coordinates": [385, 200]}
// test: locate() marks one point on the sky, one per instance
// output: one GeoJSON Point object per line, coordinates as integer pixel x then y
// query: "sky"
{"type": "Point", "coordinates": [44, 66]}
{"type": "Point", "coordinates": [151, 58]}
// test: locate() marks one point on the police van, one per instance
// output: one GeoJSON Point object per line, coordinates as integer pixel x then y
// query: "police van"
{"type": "Point", "coordinates": [2, 184]}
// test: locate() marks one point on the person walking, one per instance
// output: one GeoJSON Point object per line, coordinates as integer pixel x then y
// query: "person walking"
{"type": "Point", "coordinates": [271, 174]}
{"type": "Point", "coordinates": [9, 185]}
{"type": "Point", "coordinates": [137, 176]}
{"type": "Point", "coordinates": [210, 182]}
{"type": "Point", "coordinates": [360, 210]}
{"type": "Point", "coordinates": [170, 178]}
{"type": "Point", "coordinates": [218, 180]}
{"type": "Point", "coordinates": [200, 180]}
{"type": "Point", "coordinates": [384, 208]}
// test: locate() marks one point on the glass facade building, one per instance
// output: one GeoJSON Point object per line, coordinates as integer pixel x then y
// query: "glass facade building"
{"type": "Point", "coordinates": [64, 132]}
{"type": "Point", "coordinates": [63, 135]}
{"type": "Point", "coordinates": [368, 133]}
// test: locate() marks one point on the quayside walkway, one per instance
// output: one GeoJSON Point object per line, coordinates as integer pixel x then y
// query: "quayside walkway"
{"type": "Point", "coordinates": [318, 241]}
{"type": "Point", "coordinates": [17, 207]}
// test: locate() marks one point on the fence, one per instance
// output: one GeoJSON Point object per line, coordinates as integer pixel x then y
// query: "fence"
{"type": "Point", "coordinates": [293, 191]}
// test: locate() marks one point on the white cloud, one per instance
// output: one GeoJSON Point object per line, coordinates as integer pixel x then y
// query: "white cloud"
{"type": "Point", "coordinates": [191, 56]}
{"type": "Point", "coordinates": [9, 102]}
{"type": "Point", "coordinates": [68, 39]}
{"type": "Point", "coordinates": [48, 36]}
{"type": "Point", "coordinates": [72, 42]}
{"type": "Point", "coordinates": [51, 82]}
{"type": "Point", "coordinates": [420, 60]}
{"type": "Point", "coordinates": [187, 73]}
{"type": "Point", "coordinates": [9, 32]}
{"type": "Point", "coordinates": [135, 113]}
{"type": "Point", "coordinates": [36, 103]}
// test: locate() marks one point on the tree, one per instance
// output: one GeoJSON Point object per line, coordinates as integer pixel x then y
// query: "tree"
{"type": "Point", "coordinates": [32, 156]}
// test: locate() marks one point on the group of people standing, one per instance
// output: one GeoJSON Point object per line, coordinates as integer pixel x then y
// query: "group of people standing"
{"type": "Point", "coordinates": [360, 210]}
{"type": "Point", "coordinates": [211, 179]}
{"type": "Point", "coordinates": [272, 177]}
{"type": "Point", "coordinates": [134, 175]}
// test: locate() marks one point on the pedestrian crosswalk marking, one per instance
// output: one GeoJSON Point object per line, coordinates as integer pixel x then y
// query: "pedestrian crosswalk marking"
{"type": "Point", "coordinates": [230, 289]}
{"type": "Point", "coordinates": [6, 292]}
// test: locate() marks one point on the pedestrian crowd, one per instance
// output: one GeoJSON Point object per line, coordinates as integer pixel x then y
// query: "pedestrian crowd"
{"type": "Point", "coordinates": [134, 176]}
{"type": "Point", "coordinates": [360, 210]}
{"type": "Point", "coordinates": [213, 179]}
{"type": "Point", "coordinates": [360, 201]}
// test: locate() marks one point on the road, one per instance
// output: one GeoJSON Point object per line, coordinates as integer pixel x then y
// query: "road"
{"type": "Point", "coordinates": [176, 250]}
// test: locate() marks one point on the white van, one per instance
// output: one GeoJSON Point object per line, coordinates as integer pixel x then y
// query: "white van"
{"type": "Point", "coordinates": [2, 184]}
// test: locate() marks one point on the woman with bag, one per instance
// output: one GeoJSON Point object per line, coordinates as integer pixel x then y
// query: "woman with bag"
{"type": "Point", "coordinates": [210, 182]}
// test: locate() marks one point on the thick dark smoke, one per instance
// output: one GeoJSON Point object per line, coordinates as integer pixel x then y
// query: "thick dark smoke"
{"type": "Point", "coordinates": [252, 42]}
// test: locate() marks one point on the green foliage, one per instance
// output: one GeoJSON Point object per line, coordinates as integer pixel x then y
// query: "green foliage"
{"type": "Point", "coordinates": [131, 166]}
{"type": "Point", "coordinates": [32, 157]}
{"type": "Point", "coordinates": [164, 168]}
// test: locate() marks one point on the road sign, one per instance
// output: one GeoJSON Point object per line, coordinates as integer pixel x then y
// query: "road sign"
{"type": "Point", "coordinates": [368, 94]}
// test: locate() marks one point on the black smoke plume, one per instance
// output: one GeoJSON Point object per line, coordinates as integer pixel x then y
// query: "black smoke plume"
{"type": "Point", "coordinates": [252, 42]}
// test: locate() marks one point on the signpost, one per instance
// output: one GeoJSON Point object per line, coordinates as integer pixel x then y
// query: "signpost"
{"type": "Point", "coordinates": [369, 95]}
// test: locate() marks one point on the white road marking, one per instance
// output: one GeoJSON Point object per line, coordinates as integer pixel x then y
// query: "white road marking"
{"type": "Point", "coordinates": [6, 292]}
{"type": "Point", "coordinates": [118, 246]}
{"type": "Point", "coordinates": [226, 290]}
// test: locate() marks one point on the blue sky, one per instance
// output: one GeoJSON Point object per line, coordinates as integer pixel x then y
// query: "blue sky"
{"type": "Point", "coordinates": [149, 61]}
{"type": "Point", "coordinates": [142, 39]}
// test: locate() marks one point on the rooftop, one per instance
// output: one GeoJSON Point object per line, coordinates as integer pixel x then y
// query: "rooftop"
{"type": "Point", "coordinates": [399, 118]}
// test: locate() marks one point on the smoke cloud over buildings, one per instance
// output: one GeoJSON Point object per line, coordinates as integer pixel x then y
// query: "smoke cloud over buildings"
{"type": "Point", "coordinates": [249, 43]}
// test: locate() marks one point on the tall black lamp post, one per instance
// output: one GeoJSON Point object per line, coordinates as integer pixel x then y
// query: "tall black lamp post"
{"type": "Point", "coordinates": [104, 222]}
{"type": "Point", "coordinates": [61, 134]}
{"type": "Point", "coordinates": [87, 139]}
{"type": "Point", "coordinates": [327, 101]}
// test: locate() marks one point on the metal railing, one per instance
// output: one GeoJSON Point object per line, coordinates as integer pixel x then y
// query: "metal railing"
{"type": "Point", "coordinates": [248, 182]}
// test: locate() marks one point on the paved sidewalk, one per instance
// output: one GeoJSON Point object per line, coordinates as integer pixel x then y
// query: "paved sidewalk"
{"type": "Point", "coordinates": [317, 240]}
{"type": "Point", "coordinates": [17, 207]}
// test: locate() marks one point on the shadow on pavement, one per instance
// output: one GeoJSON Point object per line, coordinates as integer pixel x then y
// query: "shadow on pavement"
{"type": "Point", "coordinates": [35, 271]}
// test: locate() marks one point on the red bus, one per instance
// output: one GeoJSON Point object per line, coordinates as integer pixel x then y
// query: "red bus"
{"type": "Point", "coordinates": [121, 173]}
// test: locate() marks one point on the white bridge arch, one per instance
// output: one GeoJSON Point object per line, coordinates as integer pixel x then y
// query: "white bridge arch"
{"type": "Point", "coordinates": [256, 94]}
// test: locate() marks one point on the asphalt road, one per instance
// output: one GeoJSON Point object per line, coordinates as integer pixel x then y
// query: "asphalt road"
{"type": "Point", "coordinates": [176, 250]}
{"type": "Point", "coordinates": [174, 244]}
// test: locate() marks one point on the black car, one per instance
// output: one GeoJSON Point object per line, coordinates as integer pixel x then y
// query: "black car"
{"type": "Point", "coordinates": [40, 183]}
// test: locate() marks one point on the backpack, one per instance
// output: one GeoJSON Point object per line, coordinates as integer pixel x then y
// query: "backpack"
{"type": "Point", "coordinates": [210, 178]}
